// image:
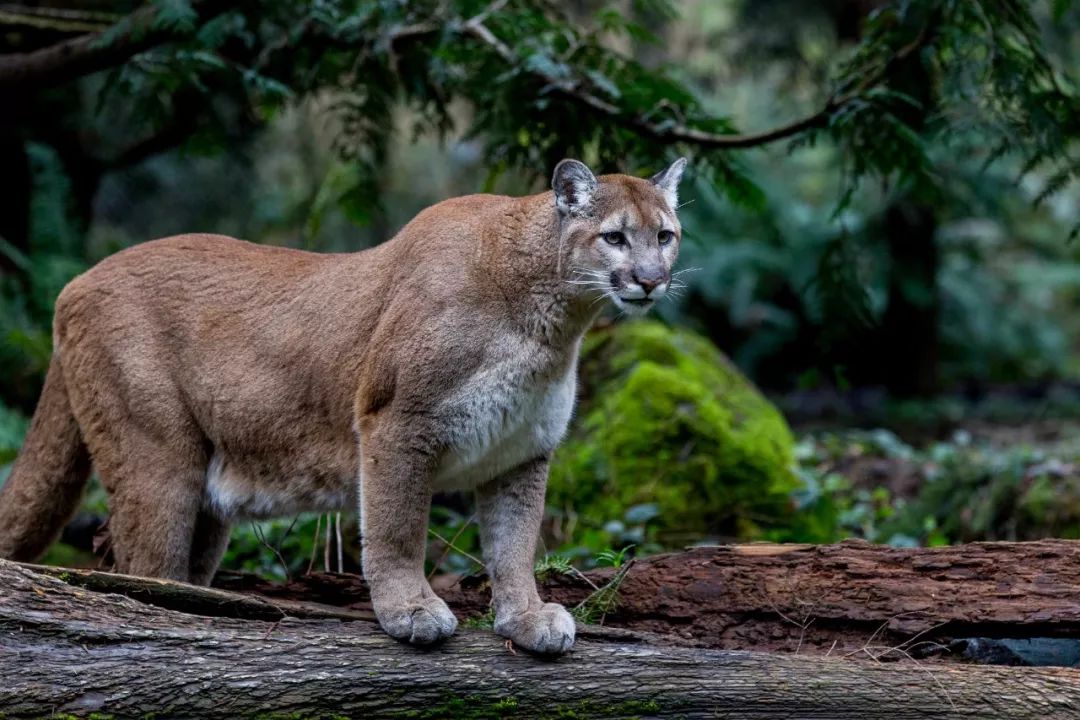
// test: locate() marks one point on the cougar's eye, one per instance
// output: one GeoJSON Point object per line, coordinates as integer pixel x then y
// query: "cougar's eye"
{"type": "Point", "coordinates": [665, 236]}
{"type": "Point", "coordinates": [614, 238]}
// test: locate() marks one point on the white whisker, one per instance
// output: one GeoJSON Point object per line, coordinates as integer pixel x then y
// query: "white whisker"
{"type": "Point", "coordinates": [677, 274]}
{"type": "Point", "coordinates": [609, 294]}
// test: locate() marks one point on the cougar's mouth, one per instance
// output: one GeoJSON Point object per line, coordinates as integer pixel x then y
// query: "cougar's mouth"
{"type": "Point", "coordinates": [633, 306]}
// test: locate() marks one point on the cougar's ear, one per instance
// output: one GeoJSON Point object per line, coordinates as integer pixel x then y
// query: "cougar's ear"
{"type": "Point", "coordinates": [574, 185]}
{"type": "Point", "coordinates": [668, 181]}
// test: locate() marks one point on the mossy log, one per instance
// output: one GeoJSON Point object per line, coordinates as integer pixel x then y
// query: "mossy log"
{"type": "Point", "coordinates": [79, 643]}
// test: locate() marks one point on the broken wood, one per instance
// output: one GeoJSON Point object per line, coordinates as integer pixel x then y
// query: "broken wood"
{"type": "Point", "coordinates": [814, 599]}
{"type": "Point", "coordinates": [66, 649]}
{"type": "Point", "coordinates": [198, 600]}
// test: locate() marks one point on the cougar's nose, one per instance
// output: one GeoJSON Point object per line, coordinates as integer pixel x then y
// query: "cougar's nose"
{"type": "Point", "coordinates": [648, 280]}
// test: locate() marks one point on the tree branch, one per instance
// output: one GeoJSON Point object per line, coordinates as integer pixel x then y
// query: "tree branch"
{"type": "Point", "coordinates": [679, 132]}
{"type": "Point", "coordinates": [90, 53]}
{"type": "Point", "coordinates": [63, 20]}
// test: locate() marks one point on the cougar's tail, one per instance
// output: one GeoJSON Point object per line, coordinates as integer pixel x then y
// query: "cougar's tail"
{"type": "Point", "coordinates": [47, 481]}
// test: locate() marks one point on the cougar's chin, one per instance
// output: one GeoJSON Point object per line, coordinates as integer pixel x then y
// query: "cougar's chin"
{"type": "Point", "coordinates": [633, 306]}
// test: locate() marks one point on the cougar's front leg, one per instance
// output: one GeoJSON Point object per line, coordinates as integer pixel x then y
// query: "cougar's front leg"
{"type": "Point", "coordinates": [395, 498]}
{"type": "Point", "coordinates": [510, 509]}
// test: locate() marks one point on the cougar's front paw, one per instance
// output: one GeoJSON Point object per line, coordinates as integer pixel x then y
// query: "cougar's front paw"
{"type": "Point", "coordinates": [420, 622]}
{"type": "Point", "coordinates": [548, 630]}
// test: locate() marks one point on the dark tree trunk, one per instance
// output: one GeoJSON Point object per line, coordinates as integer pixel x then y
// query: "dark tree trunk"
{"type": "Point", "coordinates": [909, 338]}
{"type": "Point", "coordinates": [66, 650]}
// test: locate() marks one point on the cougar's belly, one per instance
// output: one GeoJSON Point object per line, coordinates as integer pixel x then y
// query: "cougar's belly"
{"type": "Point", "coordinates": [503, 417]}
{"type": "Point", "coordinates": [268, 485]}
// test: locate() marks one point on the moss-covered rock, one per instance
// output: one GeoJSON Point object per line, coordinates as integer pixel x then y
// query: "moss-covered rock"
{"type": "Point", "coordinates": [666, 422]}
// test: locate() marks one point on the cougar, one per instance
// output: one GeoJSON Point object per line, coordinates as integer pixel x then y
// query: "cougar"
{"type": "Point", "coordinates": [209, 380]}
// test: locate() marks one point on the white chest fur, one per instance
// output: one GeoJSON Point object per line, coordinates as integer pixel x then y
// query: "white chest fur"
{"type": "Point", "coordinates": [510, 412]}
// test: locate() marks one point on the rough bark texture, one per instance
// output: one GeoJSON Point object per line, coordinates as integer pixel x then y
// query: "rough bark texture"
{"type": "Point", "coordinates": [833, 599]}
{"type": "Point", "coordinates": [68, 650]}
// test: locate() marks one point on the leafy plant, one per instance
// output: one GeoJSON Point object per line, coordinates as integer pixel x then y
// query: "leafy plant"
{"type": "Point", "coordinates": [612, 557]}
{"type": "Point", "coordinates": [12, 430]}
{"type": "Point", "coordinates": [553, 564]}
{"type": "Point", "coordinates": [955, 491]}
{"type": "Point", "coordinates": [602, 601]}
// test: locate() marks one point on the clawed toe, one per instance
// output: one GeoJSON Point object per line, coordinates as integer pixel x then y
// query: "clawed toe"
{"type": "Point", "coordinates": [424, 622]}
{"type": "Point", "coordinates": [548, 630]}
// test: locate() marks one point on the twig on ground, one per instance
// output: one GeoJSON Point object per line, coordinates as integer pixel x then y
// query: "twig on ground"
{"type": "Point", "coordinates": [270, 630]}
{"type": "Point", "coordinates": [448, 546]}
{"type": "Point", "coordinates": [314, 544]}
{"type": "Point", "coordinates": [340, 554]}
{"type": "Point", "coordinates": [457, 549]}
{"type": "Point", "coordinates": [877, 652]}
{"type": "Point", "coordinates": [602, 601]}
{"type": "Point", "coordinates": [326, 550]}
{"type": "Point", "coordinates": [261, 536]}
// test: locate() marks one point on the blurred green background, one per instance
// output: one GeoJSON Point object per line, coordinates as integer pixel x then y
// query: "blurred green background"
{"type": "Point", "coordinates": [878, 337]}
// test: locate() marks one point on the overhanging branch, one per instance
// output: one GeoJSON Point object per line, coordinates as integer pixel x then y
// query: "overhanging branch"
{"type": "Point", "coordinates": [669, 133]}
{"type": "Point", "coordinates": [85, 54]}
{"type": "Point", "coordinates": [88, 53]}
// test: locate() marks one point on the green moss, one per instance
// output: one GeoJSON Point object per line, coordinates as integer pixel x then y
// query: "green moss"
{"type": "Point", "coordinates": [592, 709]}
{"type": "Point", "coordinates": [474, 707]}
{"type": "Point", "coordinates": [666, 419]}
{"type": "Point", "coordinates": [1051, 506]}
{"type": "Point", "coordinates": [464, 707]}
{"type": "Point", "coordinates": [480, 622]}
{"type": "Point", "coordinates": [300, 716]}
{"type": "Point", "coordinates": [63, 555]}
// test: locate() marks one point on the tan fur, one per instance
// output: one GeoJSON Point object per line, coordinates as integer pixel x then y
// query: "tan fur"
{"type": "Point", "coordinates": [213, 380]}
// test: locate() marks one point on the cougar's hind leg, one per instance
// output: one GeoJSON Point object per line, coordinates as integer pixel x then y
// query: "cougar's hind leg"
{"type": "Point", "coordinates": [155, 490]}
{"type": "Point", "coordinates": [146, 447]}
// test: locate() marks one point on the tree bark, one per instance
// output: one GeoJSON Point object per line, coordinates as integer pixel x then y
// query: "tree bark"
{"type": "Point", "coordinates": [814, 599]}
{"type": "Point", "coordinates": [67, 650]}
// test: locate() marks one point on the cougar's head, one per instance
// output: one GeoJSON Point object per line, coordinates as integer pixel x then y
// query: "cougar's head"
{"type": "Point", "coordinates": [621, 231]}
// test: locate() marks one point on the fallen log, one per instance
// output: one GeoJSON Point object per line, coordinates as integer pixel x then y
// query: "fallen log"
{"type": "Point", "coordinates": [814, 599]}
{"type": "Point", "coordinates": [71, 650]}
